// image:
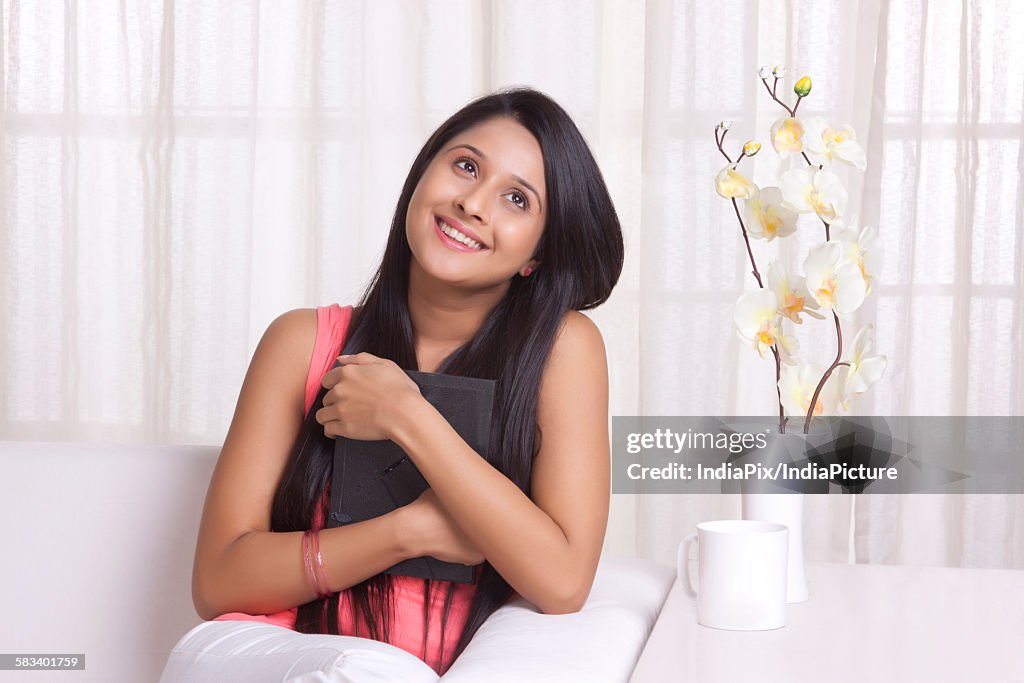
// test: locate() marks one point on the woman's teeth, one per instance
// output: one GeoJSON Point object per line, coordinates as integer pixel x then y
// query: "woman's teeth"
{"type": "Point", "coordinates": [459, 237]}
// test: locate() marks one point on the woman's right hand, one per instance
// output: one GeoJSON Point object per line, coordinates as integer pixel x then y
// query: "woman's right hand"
{"type": "Point", "coordinates": [433, 532]}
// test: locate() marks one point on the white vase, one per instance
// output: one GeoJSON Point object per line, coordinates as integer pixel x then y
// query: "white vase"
{"type": "Point", "coordinates": [788, 509]}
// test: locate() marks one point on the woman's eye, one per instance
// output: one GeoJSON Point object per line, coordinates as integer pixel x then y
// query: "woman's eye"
{"type": "Point", "coordinates": [469, 166]}
{"type": "Point", "coordinates": [519, 199]}
{"type": "Point", "coordinates": [466, 165]}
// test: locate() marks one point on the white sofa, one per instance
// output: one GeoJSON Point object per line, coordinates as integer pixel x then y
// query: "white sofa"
{"type": "Point", "coordinates": [98, 542]}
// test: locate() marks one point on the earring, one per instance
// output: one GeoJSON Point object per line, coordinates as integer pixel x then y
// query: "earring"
{"type": "Point", "coordinates": [526, 272]}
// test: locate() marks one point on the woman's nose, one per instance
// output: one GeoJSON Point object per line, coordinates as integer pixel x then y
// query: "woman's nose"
{"type": "Point", "coordinates": [473, 203]}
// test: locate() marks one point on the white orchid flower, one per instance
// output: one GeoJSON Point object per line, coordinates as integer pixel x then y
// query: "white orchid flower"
{"type": "Point", "coordinates": [864, 249]}
{"type": "Point", "coordinates": [788, 346]}
{"type": "Point", "coordinates": [864, 370]}
{"type": "Point", "coordinates": [732, 184]}
{"type": "Point", "coordinates": [791, 294]}
{"type": "Point", "coordinates": [824, 144]}
{"type": "Point", "coordinates": [759, 326]}
{"type": "Point", "coordinates": [833, 280]}
{"type": "Point", "coordinates": [810, 189]}
{"type": "Point", "coordinates": [796, 389]}
{"type": "Point", "coordinates": [788, 136]}
{"type": "Point", "coordinates": [767, 217]}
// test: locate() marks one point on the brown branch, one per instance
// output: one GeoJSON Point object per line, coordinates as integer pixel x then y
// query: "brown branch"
{"type": "Point", "coordinates": [720, 141]}
{"type": "Point", "coordinates": [772, 93]}
{"type": "Point", "coordinates": [775, 349]}
{"type": "Point", "coordinates": [757, 275]}
{"type": "Point", "coordinates": [828, 373]}
{"type": "Point", "coordinates": [778, 391]}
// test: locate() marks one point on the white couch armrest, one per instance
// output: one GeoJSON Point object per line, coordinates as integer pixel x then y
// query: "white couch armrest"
{"type": "Point", "coordinates": [600, 643]}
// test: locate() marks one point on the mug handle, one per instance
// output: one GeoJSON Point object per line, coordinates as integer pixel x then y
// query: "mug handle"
{"type": "Point", "coordinates": [683, 563]}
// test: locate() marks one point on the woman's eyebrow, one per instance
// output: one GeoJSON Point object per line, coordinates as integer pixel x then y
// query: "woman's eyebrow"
{"type": "Point", "coordinates": [480, 154]}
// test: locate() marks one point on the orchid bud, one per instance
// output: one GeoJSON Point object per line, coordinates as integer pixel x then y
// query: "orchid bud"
{"type": "Point", "coordinates": [765, 71]}
{"type": "Point", "coordinates": [779, 71]}
{"type": "Point", "coordinates": [725, 124]}
{"type": "Point", "coordinates": [751, 147]}
{"type": "Point", "coordinates": [803, 87]}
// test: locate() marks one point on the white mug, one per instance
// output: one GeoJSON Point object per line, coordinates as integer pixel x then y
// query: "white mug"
{"type": "Point", "coordinates": [742, 569]}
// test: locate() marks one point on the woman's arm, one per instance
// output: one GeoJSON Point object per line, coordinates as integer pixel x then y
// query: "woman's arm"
{"type": "Point", "coordinates": [240, 565]}
{"type": "Point", "coordinates": [263, 572]}
{"type": "Point", "coordinates": [546, 548]}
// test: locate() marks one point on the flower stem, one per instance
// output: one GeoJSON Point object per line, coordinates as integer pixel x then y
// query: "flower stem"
{"type": "Point", "coordinates": [778, 391]}
{"type": "Point", "coordinates": [771, 91]}
{"type": "Point", "coordinates": [750, 253]}
{"type": "Point", "coordinates": [775, 347]}
{"type": "Point", "coordinates": [719, 141]}
{"type": "Point", "coordinates": [828, 373]}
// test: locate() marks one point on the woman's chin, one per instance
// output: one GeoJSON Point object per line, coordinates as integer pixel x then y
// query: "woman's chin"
{"type": "Point", "coordinates": [445, 273]}
{"type": "Point", "coordinates": [460, 279]}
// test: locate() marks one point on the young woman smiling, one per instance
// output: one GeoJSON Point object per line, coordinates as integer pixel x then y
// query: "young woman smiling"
{"type": "Point", "coordinates": [503, 232]}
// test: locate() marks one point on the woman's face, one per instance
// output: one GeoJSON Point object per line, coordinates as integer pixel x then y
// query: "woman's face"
{"type": "Point", "coordinates": [478, 211]}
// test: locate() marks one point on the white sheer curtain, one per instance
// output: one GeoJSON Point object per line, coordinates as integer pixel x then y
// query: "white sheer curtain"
{"type": "Point", "coordinates": [177, 174]}
{"type": "Point", "coordinates": [940, 111]}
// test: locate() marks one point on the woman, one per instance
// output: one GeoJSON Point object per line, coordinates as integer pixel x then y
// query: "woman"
{"type": "Point", "coordinates": [504, 230]}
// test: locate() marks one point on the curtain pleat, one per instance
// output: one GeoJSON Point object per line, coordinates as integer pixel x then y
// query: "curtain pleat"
{"type": "Point", "coordinates": [175, 175]}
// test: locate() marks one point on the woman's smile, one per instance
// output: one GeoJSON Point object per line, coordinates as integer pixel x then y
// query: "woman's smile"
{"type": "Point", "coordinates": [457, 236]}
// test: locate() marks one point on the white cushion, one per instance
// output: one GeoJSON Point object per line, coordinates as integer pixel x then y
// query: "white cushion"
{"type": "Point", "coordinates": [517, 644]}
{"type": "Point", "coordinates": [601, 642]}
{"type": "Point", "coordinates": [219, 651]}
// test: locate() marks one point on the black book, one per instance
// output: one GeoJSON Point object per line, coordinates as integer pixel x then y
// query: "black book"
{"type": "Point", "coordinates": [372, 478]}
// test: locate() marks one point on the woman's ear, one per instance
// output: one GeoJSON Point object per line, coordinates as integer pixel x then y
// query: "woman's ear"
{"type": "Point", "coordinates": [529, 268]}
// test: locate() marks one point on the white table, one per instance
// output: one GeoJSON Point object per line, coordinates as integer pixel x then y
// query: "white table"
{"type": "Point", "coordinates": [862, 623]}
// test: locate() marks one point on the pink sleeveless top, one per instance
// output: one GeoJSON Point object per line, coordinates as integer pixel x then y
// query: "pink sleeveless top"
{"type": "Point", "coordinates": [410, 596]}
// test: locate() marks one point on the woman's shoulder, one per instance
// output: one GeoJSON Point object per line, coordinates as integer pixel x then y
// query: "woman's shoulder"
{"type": "Point", "coordinates": [303, 329]}
{"type": "Point", "coordinates": [572, 399]}
{"type": "Point", "coordinates": [296, 325]}
{"type": "Point", "coordinates": [578, 334]}
{"type": "Point", "coordinates": [301, 323]}
{"type": "Point", "coordinates": [577, 352]}
{"type": "Point", "coordinates": [290, 338]}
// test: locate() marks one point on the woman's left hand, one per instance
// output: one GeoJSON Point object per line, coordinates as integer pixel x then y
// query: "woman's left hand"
{"type": "Point", "coordinates": [363, 397]}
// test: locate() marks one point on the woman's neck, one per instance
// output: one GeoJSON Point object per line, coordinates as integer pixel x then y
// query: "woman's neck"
{"type": "Point", "coordinates": [443, 316]}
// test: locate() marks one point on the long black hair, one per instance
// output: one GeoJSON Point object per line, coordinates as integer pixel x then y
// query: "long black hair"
{"type": "Point", "coordinates": [580, 255]}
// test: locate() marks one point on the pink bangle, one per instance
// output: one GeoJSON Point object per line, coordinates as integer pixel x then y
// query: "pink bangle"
{"type": "Point", "coordinates": [317, 575]}
{"type": "Point", "coordinates": [323, 588]}
{"type": "Point", "coordinates": [309, 565]}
